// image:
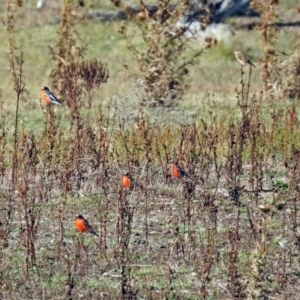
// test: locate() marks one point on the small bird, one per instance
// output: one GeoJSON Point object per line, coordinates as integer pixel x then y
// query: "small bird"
{"type": "Point", "coordinates": [48, 97]}
{"type": "Point", "coordinates": [83, 225]}
{"type": "Point", "coordinates": [127, 181]}
{"type": "Point", "coordinates": [177, 171]}
{"type": "Point", "coordinates": [242, 59]}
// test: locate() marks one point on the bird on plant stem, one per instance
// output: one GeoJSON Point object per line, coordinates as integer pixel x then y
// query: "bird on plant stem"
{"type": "Point", "coordinates": [48, 97]}
{"type": "Point", "coordinates": [242, 59]}
{"type": "Point", "coordinates": [83, 225]}
{"type": "Point", "coordinates": [127, 181]}
{"type": "Point", "coordinates": [177, 171]}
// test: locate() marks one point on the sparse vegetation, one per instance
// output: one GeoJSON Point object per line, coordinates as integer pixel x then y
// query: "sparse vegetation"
{"type": "Point", "coordinates": [230, 230]}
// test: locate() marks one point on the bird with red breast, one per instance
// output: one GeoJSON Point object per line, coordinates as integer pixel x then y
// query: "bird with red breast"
{"type": "Point", "coordinates": [127, 181]}
{"type": "Point", "coordinates": [48, 97]}
{"type": "Point", "coordinates": [177, 171]}
{"type": "Point", "coordinates": [83, 225]}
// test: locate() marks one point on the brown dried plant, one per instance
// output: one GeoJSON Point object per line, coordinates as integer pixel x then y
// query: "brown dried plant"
{"type": "Point", "coordinates": [271, 70]}
{"type": "Point", "coordinates": [66, 51]}
{"type": "Point", "coordinates": [162, 61]}
{"type": "Point", "coordinates": [279, 79]}
{"type": "Point", "coordinates": [93, 74]}
{"type": "Point", "coordinates": [291, 78]}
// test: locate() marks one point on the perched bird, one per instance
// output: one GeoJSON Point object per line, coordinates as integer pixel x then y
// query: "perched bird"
{"type": "Point", "coordinates": [127, 181]}
{"type": "Point", "coordinates": [242, 59]}
{"type": "Point", "coordinates": [48, 97]}
{"type": "Point", "coordinates": [83, 225]}
{"type": "Point", "coordinates": [177, 171]}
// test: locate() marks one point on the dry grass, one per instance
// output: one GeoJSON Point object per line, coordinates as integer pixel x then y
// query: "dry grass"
{"type": "Point", "coordinates": [229, 232]}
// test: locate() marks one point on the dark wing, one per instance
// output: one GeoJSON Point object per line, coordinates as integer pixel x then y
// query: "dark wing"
{"type": "Point", "coordinates": [91, 230]}
{"type": "Point", "coordinates": [53, 98]}
{"type": "Point", "coordinates": [249, 62]}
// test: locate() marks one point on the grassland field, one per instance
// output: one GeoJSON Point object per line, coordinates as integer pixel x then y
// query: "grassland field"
{"type": "Point", "coordinates": [231, 231]}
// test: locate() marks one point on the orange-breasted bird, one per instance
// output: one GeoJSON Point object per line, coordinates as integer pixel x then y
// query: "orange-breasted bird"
{"type": "Point", "coordinates": [127, 181]}
{"type": "Point", "coordinates": [48, 97]}
{"type": "Point", "coordinates": [177, 171]}
{"type": "Point", "coordinates": [83, 225]}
